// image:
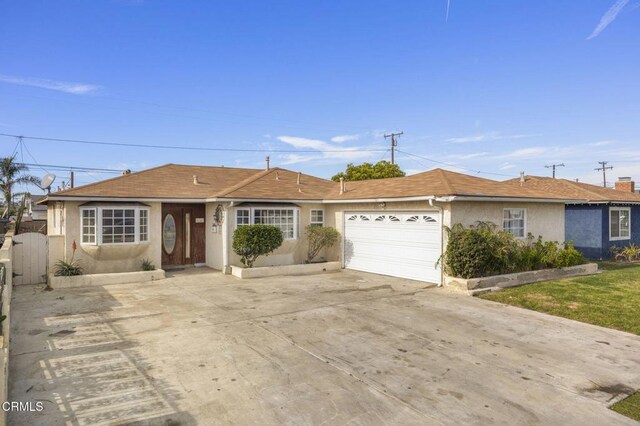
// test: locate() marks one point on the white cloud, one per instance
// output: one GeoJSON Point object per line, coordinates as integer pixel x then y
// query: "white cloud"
{"type": "Point", "coordinates": [507, 166]}
{"type": "Point", "coordinates": [289, 159]}
{"type": "Point", "coordinates": [345, 138]}
{"type": "Point", "coordinates": [298, 142]}
{"type": "Point", "coordinates": [601, 143]}
{"type": "Point", "coordinates": [410, 172]}
{"type": "Point", "coordinates": [608, 18]}
{"type": "Point", "coordinates": [327, 153]}
{"type": "Point", "coordinates": [60, 86]}
{"type": "Point", "coordinates": [525, 153]}
{"type": "Point", "coordinates": [467, 156]}
{"type": "Point", "coordinates": [483, 137]}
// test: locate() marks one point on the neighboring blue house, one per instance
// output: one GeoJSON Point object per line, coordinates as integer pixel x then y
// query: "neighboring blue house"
{"type": "Point", "coordinates": [595, 228]}
{"type": "Point", "coordinates": [596, 218]}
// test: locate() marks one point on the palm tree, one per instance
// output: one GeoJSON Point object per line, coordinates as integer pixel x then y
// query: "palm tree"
{"type": "Point", "coordinates": [12, 173]}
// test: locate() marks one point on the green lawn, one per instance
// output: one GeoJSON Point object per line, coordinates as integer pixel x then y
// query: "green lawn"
{"type": "Point", "coordinates": [629, 407]}
{"type": "Point", "coordinates": [610, 299]}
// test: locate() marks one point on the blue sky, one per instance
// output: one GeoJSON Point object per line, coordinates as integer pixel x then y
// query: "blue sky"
{"type": "Point", "coordinates": [495, 86]}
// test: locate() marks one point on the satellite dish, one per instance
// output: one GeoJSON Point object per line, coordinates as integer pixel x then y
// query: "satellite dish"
{"type": "Point", "coordinates": [47, 180]}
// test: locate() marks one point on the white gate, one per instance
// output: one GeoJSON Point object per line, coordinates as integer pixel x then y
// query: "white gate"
{"type": "Point", "coordinates": [30, 258]}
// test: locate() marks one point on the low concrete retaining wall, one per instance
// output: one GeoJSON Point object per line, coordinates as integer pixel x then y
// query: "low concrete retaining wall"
{"type": "Point", "coordinates": [105, 279]}
{"type": "Point", "coordinates": [271, 271]}
{"type": "Point", "coordinates": [475, 286]}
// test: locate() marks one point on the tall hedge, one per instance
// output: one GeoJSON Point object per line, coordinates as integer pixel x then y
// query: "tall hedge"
{"type": "Point", "coordinates": [253, 241]}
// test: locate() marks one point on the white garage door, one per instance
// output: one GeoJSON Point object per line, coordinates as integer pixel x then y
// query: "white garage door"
{"type": "Point", "coordinates": [400, 244]}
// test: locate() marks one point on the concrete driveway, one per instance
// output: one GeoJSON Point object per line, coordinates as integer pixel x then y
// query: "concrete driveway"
{"type": "Point", "coordinates": [347, 347]}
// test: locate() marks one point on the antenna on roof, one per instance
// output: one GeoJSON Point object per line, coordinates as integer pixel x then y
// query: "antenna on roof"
{"type": "Point", "coordinates": [47, 181]}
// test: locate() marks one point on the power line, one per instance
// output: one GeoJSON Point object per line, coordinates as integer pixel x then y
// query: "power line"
{"type": "Point", "coordinates": [285, 121]}
{"type": "Point", "coordinates": [453, 165]}
{"type": "Point", "coordinates": [74, 168]}
{"type": "Point", "coordinates": [186, 148]}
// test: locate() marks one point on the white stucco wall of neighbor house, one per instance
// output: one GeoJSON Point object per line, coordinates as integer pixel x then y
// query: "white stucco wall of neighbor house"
{"type": "Point", "coordinates": [64, 228]}
{"type": "Point", "coordinates": [542, 219]}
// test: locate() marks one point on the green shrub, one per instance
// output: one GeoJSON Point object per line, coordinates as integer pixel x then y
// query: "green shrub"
{"type": "Point", "coordinates": [67, 269]}
{"type": "Point", "coordinates": [629, 253]}
{"type": "Point", "coordinates": [481, 251]}
{"type": "Point", "coordinates": [252, 241]}
{"type": "Point", "coordinates": [320, 237]}
{"type": "Point", "coordinates": [147, 265]}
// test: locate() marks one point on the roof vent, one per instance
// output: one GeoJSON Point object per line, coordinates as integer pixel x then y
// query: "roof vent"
{"type": "Point", "coordinates": [195, 180]}
{"type": "Point", "coordinates": [267, 159]}
{"type": "Point", "coordinates": [298, 180]}
{"type": "Point", "coordinates": [342, 186]}
{"type": "Point", "coordinates": [522, 179]}
{"type": "Point", "coordinates": [277, 177]}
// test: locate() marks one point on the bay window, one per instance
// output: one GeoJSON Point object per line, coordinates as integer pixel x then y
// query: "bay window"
{"type": "Point", "coordinates": [105, 225]}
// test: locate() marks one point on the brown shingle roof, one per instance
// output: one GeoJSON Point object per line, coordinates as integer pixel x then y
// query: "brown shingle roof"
{"type": "Point", "coordinates": [168, 181]}
{"type": "Point", "coordinates": [437, 182]}
{"type": "Point", "coordinates": [278, 184]}
{"type": "Point", "coordinates": [574, 190]}
{"type": "Point", "coordinates": [176, 182]}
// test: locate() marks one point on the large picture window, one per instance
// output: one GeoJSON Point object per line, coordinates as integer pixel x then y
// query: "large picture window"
{"type": "Point", "coordinates": [619, 223]}
{"type": "Point", "coordinates": [286, 219]}
{"type": "Point", "coordinates": [114, 225]}
{"type": "Point", "coordinates": [515, 222]}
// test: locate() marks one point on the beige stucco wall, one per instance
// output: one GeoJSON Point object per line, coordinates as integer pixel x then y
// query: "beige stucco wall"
{"type": "Point", "coordinates": [106, 258]}
{"type": "Point", "coordinates": [543, 219]}
{"type": "Point", "coordinates": [291, 251]}
{"type": "Point", "coordinates": [214, 237]}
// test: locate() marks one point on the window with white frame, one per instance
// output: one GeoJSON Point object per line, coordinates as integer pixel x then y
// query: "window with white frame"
{"type": "Point", "coordinates": [515, 222]}
{"type": "Point", "coordinates": [114, 225]}
{"type": "Point", "coordinates": [243, 217]}
{"type": "Point", "coordinates": [144, 225]}
{"type": "Point", "coordinates": [317, 217]}
{"type": "Point", "coordinates": [286, 219]}
{"type": "Point", "coordinates": [88, 226]}
{"type": "Point", "coordinates": [619, 223]}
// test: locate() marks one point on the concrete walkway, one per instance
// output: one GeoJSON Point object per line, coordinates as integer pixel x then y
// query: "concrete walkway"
{"type": "Point", "coordinates": [347, 347]}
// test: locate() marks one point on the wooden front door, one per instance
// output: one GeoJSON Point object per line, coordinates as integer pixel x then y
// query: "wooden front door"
{"type": "Point", "coordinates": [183, 234]}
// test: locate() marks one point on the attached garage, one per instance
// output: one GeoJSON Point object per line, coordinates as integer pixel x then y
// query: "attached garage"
{"type": "Point", "coordinates": [400, 244]}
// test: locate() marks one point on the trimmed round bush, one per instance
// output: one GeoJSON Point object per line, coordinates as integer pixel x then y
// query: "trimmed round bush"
{"type": "Point", "coordinates": [253, 241]}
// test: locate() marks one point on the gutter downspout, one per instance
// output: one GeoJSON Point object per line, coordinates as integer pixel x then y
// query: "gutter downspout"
{"type": "Point", "coordinates": [226, 268]}
{"type": "Point", "coordinates": [431, 204]}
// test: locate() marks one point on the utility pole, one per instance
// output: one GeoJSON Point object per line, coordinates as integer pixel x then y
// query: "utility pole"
{"type": "Point", "coordinates": [394, 143]}
{"type": "Point", "coordinates": [604, 169]}
{"type": "Point", "coordinates": [553, 167]}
